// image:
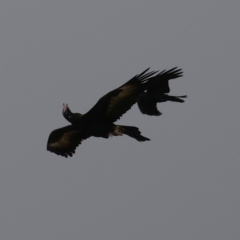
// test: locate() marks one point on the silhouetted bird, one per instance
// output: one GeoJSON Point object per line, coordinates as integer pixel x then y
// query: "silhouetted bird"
{"type": "Point", "coordinates": [99, 121]}
{"type": "Point", "coordinates": [145, 88]}
{"type": "Point", "coordinates": [156, 89]}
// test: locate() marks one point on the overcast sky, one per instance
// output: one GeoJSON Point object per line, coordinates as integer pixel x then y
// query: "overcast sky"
{"type": "Point", "coordinates": [183, 184]}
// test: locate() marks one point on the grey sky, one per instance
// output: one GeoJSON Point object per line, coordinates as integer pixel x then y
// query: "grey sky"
{"type": "Point", "coordinates": [183, 184]}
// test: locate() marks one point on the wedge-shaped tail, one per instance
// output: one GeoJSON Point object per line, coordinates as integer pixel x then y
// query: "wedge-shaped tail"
{"type": "Point", "coordinates": [130, 131]}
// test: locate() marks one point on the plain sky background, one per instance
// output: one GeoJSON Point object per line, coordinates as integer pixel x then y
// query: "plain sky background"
{"type": "Point", "coordinates": [183, 184]}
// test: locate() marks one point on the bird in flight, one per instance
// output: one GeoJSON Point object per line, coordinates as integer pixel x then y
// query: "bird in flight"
{"type": "Point", "coordinates": [99, 120]}
{"type": "Point", "coordinates": [156, 89]}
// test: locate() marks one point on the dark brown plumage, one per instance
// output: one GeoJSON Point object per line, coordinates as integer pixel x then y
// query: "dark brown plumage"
{"type": "Point", "coordinates": [64, 141]}
{"type": "Point", "coordinates": [99, 121]}
{"type": "Point", "coordinates": [146, 89]}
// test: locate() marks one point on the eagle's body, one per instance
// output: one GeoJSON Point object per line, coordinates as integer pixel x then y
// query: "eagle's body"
{"type": "Point", "coordinates": [99, 120]}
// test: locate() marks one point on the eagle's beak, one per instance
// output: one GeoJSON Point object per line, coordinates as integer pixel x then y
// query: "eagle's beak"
{"type": "Point", "coordinates": [65, 107]}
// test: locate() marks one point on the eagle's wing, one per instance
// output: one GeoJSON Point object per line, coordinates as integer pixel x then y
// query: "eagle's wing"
{"type": "Point", "coordinates": [64, 141]}
{"type": "Point", "coordinates": [115, 103]}
{"type": "Point", "coordinates": [159, 83]}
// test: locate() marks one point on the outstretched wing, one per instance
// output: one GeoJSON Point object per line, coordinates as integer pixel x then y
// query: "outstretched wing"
{"type": "Point", "coordinates": [115, 103]}
{"type": "Point", "coordinates": [64, 141]}
{"type": "Point", "coordinates": [159, 83]}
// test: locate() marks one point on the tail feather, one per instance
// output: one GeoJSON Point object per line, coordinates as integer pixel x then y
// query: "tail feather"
{"type": "Point", "coordinates": [165, 97]}
{"type": "Point", "coordinates": [131, 132]}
